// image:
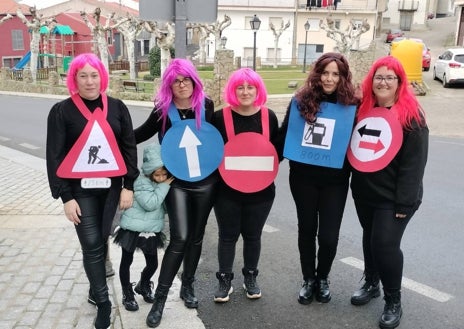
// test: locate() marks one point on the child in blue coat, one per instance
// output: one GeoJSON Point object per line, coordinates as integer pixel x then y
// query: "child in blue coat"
{"type": "Point", "coordinates": [141, 226]}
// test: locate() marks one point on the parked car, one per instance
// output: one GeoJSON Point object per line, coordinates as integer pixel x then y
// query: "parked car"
{"type": "Point", "coordinates": [426, 56]}
{"type": "Point", "coordinates": [392, 34]}
{"type": "Point", "coordinates": [449, 67]}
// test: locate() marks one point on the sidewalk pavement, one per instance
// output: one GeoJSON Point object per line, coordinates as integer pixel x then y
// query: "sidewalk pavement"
{"type": "Point", "coordinates": [42, 281]}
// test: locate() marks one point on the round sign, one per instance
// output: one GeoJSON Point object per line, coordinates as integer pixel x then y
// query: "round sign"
{"type": "Point", "coordinates": [375, 141]}
{"type": "Point", "coordinates": [192, 154]}
{"type": "Point", "coordinates": [250, 162]}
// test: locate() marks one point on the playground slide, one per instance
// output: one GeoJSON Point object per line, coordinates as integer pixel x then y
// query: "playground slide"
{"type": "Point", "coordinates": [20, 65]}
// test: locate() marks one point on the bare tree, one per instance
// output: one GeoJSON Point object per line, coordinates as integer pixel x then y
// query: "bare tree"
{"type": "Point", "coordinates": [164, 40]}
{"type": "Point", "coordinates": [344, 39]}
{"type": "Point", "coordinates": [7, 17]}
{"type": "Point", "coordinates": [99, 33]}
{"type": "Point", "coordinates": [200, 54]}
{"type": "Point", "coordinates": [130, 27]}
{"type": "Point", "coordinates": [34, 25]}
{"type": "Point", "coordinates": [217, 28]}
{"type": "Point", "coordinates": [277, 34]}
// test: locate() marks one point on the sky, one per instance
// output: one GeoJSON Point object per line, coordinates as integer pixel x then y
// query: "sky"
{"type": "Point", "coordinates": [39, 4]}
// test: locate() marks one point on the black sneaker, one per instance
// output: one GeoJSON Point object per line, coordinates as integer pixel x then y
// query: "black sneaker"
{"type": "Point", "coordinates": [250, 285]}
{"type": "Point", "coordinates": [225, 287]}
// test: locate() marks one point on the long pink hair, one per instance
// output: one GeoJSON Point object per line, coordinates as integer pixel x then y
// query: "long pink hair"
{"type": "Point", "coordinates": [238, 78]}
{"type": "Point", "coordinates": [78, 63]}
{"type": "Point", "coordinates": [408, 108]}
{"type": "Point", "coordinates": [164, 97]}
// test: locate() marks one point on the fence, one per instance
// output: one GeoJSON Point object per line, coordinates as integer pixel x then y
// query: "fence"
{"type": "Point", "coordinates": [124, 65]}
{"type": "Point", "coordinates": [42, 74]}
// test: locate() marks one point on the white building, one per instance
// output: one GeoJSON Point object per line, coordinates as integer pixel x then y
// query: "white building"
{"type": "Point", "coordinates": [292, 42]}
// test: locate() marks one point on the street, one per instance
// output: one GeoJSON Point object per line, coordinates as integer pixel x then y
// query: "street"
{"type": "Point", "coordinates": [433, 284]}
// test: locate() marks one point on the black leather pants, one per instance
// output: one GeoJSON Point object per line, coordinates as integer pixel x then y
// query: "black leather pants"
{"type": "Point", "coordinates": [89, 232]}
{"type": "Point", "coordinates": [188, 207]}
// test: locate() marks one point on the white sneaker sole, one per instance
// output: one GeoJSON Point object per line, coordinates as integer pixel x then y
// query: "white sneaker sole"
{"type": "Point", "coordinates": [255, 296]}
{"type": "Point", "coordinates": [224, 299]}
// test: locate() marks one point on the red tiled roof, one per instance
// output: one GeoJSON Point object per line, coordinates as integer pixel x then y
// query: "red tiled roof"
{"type": "Point", "coordinates": [11, 6]}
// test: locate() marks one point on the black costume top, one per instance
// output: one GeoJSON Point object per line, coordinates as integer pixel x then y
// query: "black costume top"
{"type": "Point", "coordinates": [251, 123]}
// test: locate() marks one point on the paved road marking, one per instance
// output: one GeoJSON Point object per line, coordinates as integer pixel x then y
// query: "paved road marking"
{"type": "Point", "coordinates": [270, 229]}
{"type": "Point", "coordinates": [420, 288]}
{"type": "Point", "coordinates": [29, 146]}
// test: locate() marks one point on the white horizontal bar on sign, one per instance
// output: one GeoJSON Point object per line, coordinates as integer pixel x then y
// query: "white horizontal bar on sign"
{"type": "Point", "coordinates": [249, 163]}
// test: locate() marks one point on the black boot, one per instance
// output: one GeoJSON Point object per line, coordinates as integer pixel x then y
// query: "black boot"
{"type": "Point", "coordinates": [392, 311]}
{"type": "Point", "coordinates": [225, 287]}
{"type": "Point", "coordinates": [91, 298]}
{"type": "Point", "coordinates": [187, 293]}
{"type": "Point", "coordinates": [307, 291]}
{"type": "Point", "coordinates": [144, 288]}
{"type": "Point", "coordinates": [103, 319]}
{"type": "Point", "coordinates": [370, 289]}
{"type": "Point", "coordinates": [128, 298]}
{"type": "Point", "coordinates": [323, 292]}
{"type": "Point", "coordinates": [156, 312]}
{"type": "Point", "coordinates": [250, 285]}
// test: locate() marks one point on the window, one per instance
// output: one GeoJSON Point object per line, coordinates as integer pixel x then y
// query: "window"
{"type": "Point", "coordinates": [17, 39]}
{"type": "Point", "coordinates": [357, 24]}
{"type": "Point", "coordinates": [314, 24]}
{"type": "Point", "coordinates": [276, 21]}
{"type": "Point", "coordinates": [109, 36]}
{"type": "Point", "coordinates": [270, 54]}
{"type": "Point", "coordinates": [146, 47]}
{"type": "Point", "coordinates": [247, 22]}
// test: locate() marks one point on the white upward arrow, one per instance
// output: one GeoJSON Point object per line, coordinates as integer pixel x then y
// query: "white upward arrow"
{"type": "Point", "coordinates": [190, 142]}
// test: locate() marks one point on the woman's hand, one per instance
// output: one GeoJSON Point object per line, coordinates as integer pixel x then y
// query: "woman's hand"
{"type": "Point", "coordinates": [72, 211]}
{"type": "Point", "coordinates": [126, 199]}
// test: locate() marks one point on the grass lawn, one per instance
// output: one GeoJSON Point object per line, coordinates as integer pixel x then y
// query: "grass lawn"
{"type": "Point", "coordinates": [276, 80]}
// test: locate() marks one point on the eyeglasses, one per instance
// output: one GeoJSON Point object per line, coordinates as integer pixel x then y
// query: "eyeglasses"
{"type": "Point", "coordinates": [388, 79]}
{"type": "Point", "coordinates": [185, 81]}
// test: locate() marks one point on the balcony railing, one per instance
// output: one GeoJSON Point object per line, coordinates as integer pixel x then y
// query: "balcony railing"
{"type": "Point", "coordinates": [345, 5]}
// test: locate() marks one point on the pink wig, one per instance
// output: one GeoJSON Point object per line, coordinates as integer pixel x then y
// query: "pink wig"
{"type": "Point", "coordinates": [406, 103]}
{"type": "Point", "coordinates": [237, 79]}
{"type": "Point", "coordinates": [164, 97]}
{"type": "Point", "coordinates": [78, 63]}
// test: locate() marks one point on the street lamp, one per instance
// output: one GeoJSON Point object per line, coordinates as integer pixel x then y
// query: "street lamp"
{"type": "Point", "coordinates": [306, 26]}
{"type": "Point", "coordinates": [223, 42]}
{"type": "Point", "coordinates": [255, 24]}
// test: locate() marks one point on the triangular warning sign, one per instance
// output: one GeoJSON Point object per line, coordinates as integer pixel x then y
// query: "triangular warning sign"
{"type": "Point", "coordinates": [95, 153]}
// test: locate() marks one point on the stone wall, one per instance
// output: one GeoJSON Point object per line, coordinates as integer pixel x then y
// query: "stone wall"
{"type": "Point", "coordinates": [361, 61]}
{"type": "Point", "coordinates": [223, 67]}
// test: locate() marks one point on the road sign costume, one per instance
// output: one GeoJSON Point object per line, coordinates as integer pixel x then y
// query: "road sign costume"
{"type": "Point", "coordinates": [243, 213]}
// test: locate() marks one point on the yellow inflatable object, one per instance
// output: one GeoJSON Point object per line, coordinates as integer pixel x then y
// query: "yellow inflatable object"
{"type": "Point", "coordinates": [409, 53]}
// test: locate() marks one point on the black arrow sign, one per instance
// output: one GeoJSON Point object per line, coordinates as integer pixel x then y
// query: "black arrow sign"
{"type": "Point", "coordinates": [371, 132]}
